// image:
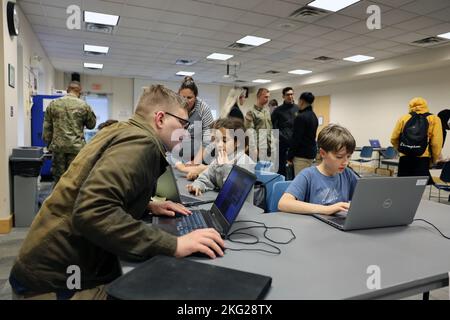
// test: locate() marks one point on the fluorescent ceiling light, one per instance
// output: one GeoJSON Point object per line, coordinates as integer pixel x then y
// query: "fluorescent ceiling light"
{"type": "Point", "coordinates": [253, 41]}
{"type": "Point", "coordinates": [445, 35]}
{"type": "Point", "coordinates": [185, 73]}
{"type": "Point", "coordinates": [93, 65]}
{"type": "Point", "coordinates": [332, 5]}
{"type": "Point", "coordinates": [101, 18]}
{"type": "Point", "coordinates": [261, 81]}
{"type": "Point", "coordinates": [358, 58]}
{"type": "Point", "coordinates": [219, 56]}
{"type": "Point", "coordinates": [99, 49]}
{"type": "Point", "coordinates": [299, 71]}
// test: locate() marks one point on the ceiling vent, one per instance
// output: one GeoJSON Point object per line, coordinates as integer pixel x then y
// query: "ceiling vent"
{"type": "Point", "coordinates": [308, 14]}
{"type": "Point", "coordinates": [240, 46]}
{"type": "Point", "coordinates": [272, 72]}
{"type": "Point", "coordinates": [94, 54]}
{"type": "Point", "coordinates": [185, 62]}
{"type": "Point", "coordinates": [429, 42]}
{"type": "Point", "coordinates": [100, 28]}
{"type": "Point", "coordinates": [324, 58]}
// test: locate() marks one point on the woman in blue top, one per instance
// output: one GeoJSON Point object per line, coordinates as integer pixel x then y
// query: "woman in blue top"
{"type": "Point", "coordinates": [327, 188]}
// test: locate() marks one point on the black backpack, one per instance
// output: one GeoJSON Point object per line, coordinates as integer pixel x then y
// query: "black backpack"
{"type": "Point", "coordinates": [414, 137]}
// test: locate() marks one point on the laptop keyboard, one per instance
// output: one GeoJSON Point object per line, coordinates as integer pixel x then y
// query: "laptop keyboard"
{"type": "Point", "coordinates": [186, 199]}
{"type": "Point", "coordinates": [190, 223]}
{"type": "Point", "coordinates": [338, 220]}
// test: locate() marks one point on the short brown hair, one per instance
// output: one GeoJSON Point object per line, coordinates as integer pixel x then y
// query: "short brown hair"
{"type": "Point", "coordinates": [335, 137]}
{"type": "Point", "coordinates": [74, 86]}
{"type": "Point", "coordinates": [261, 91]}
{"type": "Point", "coordinates": [156, 96]}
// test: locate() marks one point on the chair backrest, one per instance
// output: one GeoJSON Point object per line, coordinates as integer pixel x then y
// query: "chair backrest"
{"type": "Point", "coordinates": [390, 153]}
{"type": "Point", "coordinates": [278, 189]}
{"type": "Point", "coordinates": [263, 166]}
{"type": "Point", "coordinates": [445, 173]}
{"type": "Point", "coordinates": [366, 152]}
{"type": "Point", "coordinates": [268, 179]}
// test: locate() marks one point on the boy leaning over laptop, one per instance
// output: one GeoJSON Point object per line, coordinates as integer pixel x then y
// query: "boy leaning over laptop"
{"type": "Point", "coordinates": [327, 188]}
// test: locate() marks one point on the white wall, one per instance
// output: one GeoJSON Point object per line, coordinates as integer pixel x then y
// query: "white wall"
{"type": "Point", "coordinates": [33, 57]}
{"type": "Point", "coordinates": [8, 120]}
{"type": "Point", "coordinates": [370, 108]}
{"type": "Point", "coordinates": [214, 95]}
{"type": "Point", "coordinates": [118, 90]}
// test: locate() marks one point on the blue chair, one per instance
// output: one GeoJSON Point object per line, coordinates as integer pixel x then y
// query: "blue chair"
{"type": "Point", "coordinates": [268, 179]}
{"type": "Point", "coordinates": [278, 189]}
{"type": "Point", "coordinates": [263, 166]}
{"type": "Point", "coordinates": [364, 156]}
{"type": "Point", "coordinates": [443, 182]}
{"type": "Point", "coordinates": [389, 153]}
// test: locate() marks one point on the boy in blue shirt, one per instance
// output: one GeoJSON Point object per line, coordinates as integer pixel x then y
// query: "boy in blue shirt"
{"type": "Point", "coordinates": [327, 188]}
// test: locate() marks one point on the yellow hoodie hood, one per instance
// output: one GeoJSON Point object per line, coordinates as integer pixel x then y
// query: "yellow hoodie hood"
{"type": "Point", "coordinates": [418, 105]}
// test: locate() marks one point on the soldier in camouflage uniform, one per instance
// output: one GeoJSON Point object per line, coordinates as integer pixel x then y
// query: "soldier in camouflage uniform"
{"type": "Point", "coordinates": [258, 118]}
{"type": "Point", "coordinates": [64, 122]}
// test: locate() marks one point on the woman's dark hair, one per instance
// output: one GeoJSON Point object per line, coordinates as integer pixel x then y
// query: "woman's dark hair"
{"type": "Point", "coordinates": [188, 83]}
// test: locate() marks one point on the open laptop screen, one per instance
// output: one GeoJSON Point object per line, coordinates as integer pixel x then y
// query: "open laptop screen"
{"type": "Point", "coordinates": [375, 143]}
{"type": "Point", "coordinates": [233, 193]}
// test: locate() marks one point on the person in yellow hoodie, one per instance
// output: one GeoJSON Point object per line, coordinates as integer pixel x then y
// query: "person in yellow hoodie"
{"type": "Point", "coordinates": [410, 165]}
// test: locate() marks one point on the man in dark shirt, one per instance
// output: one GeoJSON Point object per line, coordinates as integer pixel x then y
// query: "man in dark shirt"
{"type": "Point", "coordinates": [283, 120]}
{"type": "Point", "coordinates": [303, 143]}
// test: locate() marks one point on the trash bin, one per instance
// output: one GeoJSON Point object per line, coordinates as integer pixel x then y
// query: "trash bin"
{"type": "Point", "coordinates": [25, 164]}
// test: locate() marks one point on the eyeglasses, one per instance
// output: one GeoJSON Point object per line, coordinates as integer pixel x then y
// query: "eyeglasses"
{"type": "Point", "coordinates": [185, 123]}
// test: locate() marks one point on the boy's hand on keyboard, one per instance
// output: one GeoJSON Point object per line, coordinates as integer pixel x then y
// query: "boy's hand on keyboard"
{"type": "Point", "coordinates": [194, 190]}
{"type": "Point", "coordinates": [192, 176]}
{"type": "Point", "coordinates": [337, 207]}
{"type": "Point", "coordinates": [206, 241]}
{"type": "Point", "coordinates": [167, 208]}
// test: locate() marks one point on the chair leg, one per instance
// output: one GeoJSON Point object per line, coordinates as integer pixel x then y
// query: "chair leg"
{"type": "Point", "coordinates": [439, 196]}
{"type": "Point", "coordinates": [429, 195]}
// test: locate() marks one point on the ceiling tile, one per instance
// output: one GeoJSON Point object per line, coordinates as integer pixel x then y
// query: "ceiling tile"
{"type": "Point", "coordinates": [417, 23]}
{"type": "Point", "coordinates": [276, 8]}
{"type": "Point", "coordinates": [336, 21]}
{"type": "Point", "coordinates": [424, 7]}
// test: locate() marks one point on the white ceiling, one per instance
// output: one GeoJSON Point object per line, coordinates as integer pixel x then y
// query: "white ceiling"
{"type": "Point", "coordinates": [153, 34]}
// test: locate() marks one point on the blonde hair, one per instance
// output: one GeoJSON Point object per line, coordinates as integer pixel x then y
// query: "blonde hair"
{"type": "Point", "coordinates": [158, 96]}
{"type": "Point", "coordinates": [232, 99]}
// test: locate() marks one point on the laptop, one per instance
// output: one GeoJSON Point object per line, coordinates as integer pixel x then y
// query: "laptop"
{"type": "Point", "coordinates": [375, 143]}
{"type": "Point", "coordinates": [380, 202]}
{"type": "Point", "coordinates": [223, 212]}
{"type": "Point", "coordinates": [169, 278]}
{"type": "Point", "coordinates": [167, 187]}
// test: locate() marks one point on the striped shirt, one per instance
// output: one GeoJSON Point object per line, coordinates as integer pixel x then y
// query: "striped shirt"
{"type": "Point", "coordinates": [201, 112]}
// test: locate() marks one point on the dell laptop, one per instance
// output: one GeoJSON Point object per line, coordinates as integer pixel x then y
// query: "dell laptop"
{"type": "Point", "coordinates": [223, 212]}
{"type": "Point", "coordinates": [380, 202]}
{"type": "Point", "coordinates": [167, 187]}
{"type": "Point", "coordinates": [375, 143]}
